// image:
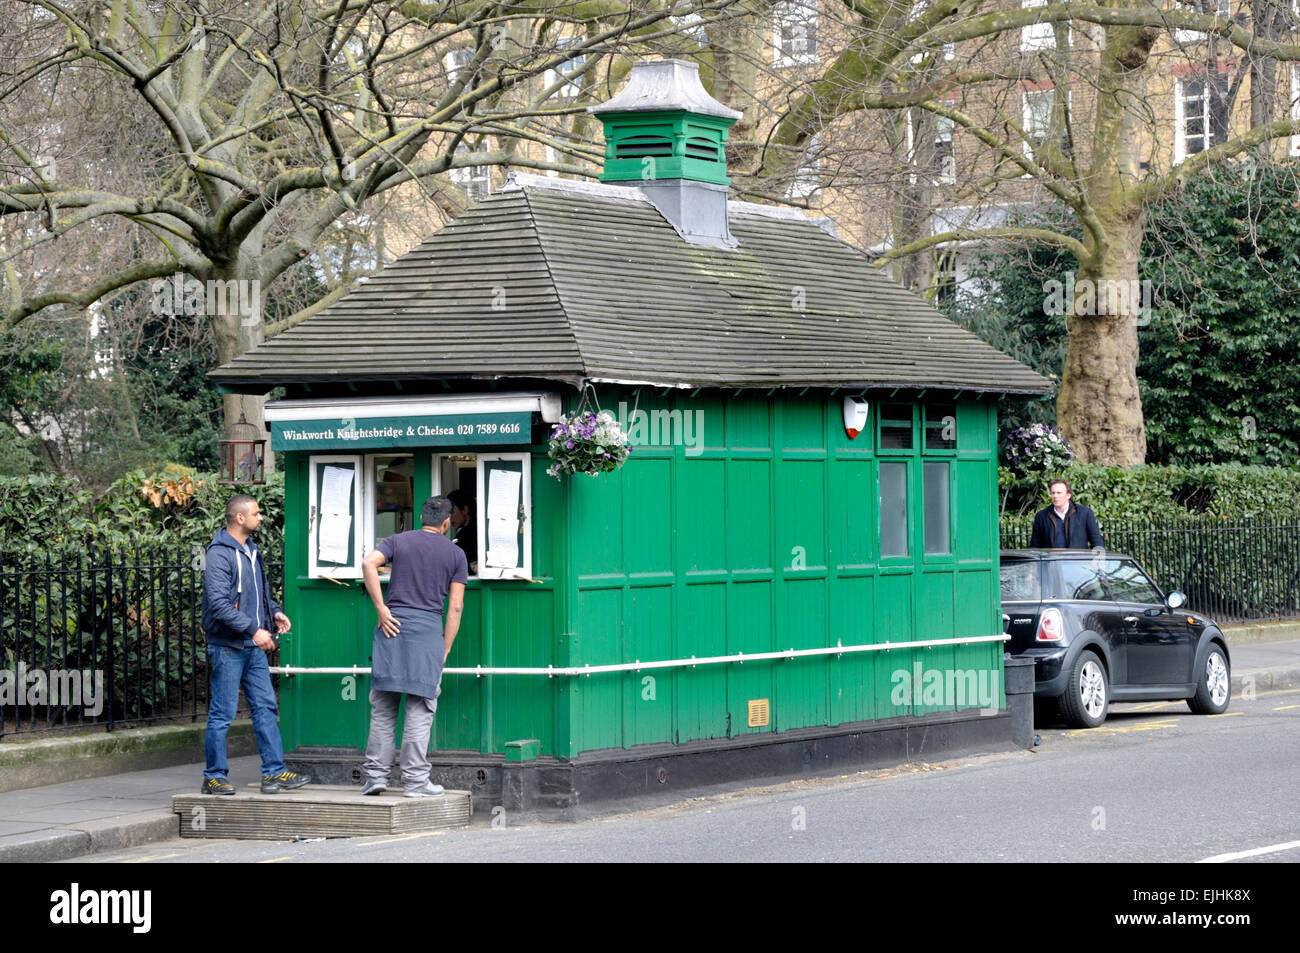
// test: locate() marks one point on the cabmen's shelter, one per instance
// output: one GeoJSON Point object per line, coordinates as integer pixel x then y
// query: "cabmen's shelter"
{"type": "Point", "coordinates": [795, 571]}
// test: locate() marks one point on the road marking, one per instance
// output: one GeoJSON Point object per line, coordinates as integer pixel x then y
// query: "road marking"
{"type": "Point", "coordinates": [274, 860]}
{"type": "Point", "coordinates": [1227, 714]}
{"type": "Point", "coordinates": [1275, 848]}
{"type": "Point", "coordinates": [404, 837]}
{"type": "Point", "coordinates": [1285, 707]}
{"type": "Point", "coordinates": [1106, 729]}
{"type": "Point", "coordinates": [145, 860]}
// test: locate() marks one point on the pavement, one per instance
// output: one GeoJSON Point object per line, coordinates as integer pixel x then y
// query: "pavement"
{"type": "Point", "coordinates": [73, 818]}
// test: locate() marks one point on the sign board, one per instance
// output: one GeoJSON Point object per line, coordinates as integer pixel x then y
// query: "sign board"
{"type": "Point", "coordinates": [385, 433]}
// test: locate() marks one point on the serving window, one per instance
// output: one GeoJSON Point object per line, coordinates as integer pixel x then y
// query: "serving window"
{"type": "Point", "coordinates": [499, 532]}
{"type": "Point", "coordinates": [357, 500]}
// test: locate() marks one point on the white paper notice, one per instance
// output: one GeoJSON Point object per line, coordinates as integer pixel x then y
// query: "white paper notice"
{"type": "Point", "coordinates": [336, 490]}
{"type": "Point", "coordinates": [503, 494]}
{"type": "Point", "coordinates": [335, 515]}
{"type": "Point", "coordinates": [503, 519]}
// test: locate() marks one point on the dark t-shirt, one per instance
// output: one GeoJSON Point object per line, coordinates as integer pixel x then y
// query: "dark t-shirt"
{"type": "Point", "coordinates": [424, 567]}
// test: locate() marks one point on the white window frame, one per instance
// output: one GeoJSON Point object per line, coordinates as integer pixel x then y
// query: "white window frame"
{"type": "Point", "coordinates": [565, 71]}
{"type": "Point", "coordinates": [794, 12]}
{"type": "Point", "coordinates": [945, 130]}
{"type": "Point", "coordinates": [807, 178]}
{"type": "Point", "coordinates": [455, 61]}
{"type": "Point", "coordinates": [476, 180]}
{"type": "Point", "coordinates": [526, 486]}
{"type": "Point", "coordinates": [1222, 8]}
{"type": "Point", "coordinates": [314, 569]}
{"type": "Point", "coordinates": [1294, 145]}
{"type": "Point", "coordinates": [1180, 117]}
{"type": "Point", "coordinates": [1027, 121]}
{"type": "Point", "coordinates": [1036, 36]}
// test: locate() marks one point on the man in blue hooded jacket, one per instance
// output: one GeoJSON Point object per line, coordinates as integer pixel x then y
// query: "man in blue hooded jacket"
{"type": "Point", "coordinates": [242, 623]}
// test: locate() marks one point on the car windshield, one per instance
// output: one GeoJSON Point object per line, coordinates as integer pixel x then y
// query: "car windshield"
{"type": "Point", "coordinates": [1020, 581]}
{"type": "Point", "coordinates": [1077, 579]}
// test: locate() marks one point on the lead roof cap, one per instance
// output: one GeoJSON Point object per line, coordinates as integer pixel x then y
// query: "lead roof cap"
{"type": "Point", "coordinates": [663, 85]}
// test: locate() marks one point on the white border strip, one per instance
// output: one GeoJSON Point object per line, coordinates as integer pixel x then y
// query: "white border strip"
{"type": "Point", "coordinates": [551, 671]}
{"type": "Point", "coordinates": [547, 404]}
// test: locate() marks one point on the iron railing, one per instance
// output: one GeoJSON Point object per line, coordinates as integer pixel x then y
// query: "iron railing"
{"type": "Point", "coordinates": [116, 636]}
{"type": "Point", "coordinates": [1229, 571]}
{"type": "Point", "coordinates": [103, 638]}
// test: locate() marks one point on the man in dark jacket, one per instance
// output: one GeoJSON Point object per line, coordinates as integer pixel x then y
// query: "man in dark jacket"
{"type": "Point", "coordinates": [242, 623]}
{"type": "Point", "coordinates": [1065, 524]}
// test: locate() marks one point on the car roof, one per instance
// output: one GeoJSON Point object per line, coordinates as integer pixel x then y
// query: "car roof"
{"type": "Point", "coordinates": [1059, 554]}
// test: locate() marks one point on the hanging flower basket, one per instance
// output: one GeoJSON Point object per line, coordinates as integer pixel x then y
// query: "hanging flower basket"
{"type": "Point", "coordinates": [1038, 449]}
{"type": "Point", "coordinates": [587, 442]}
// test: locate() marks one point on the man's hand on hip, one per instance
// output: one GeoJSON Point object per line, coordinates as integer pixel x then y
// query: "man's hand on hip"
{"type": "Point", "coordinates": [262, 639]}
{"type": "Point", "coordinates": [390, 624]}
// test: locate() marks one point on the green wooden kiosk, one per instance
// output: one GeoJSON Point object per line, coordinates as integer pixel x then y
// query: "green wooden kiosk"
{"type": "Point", "coordinates": [796, 570]}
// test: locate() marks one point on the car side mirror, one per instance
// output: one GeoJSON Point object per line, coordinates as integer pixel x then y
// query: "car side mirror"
{"type": "Point", "coordinates": [1175, 599]}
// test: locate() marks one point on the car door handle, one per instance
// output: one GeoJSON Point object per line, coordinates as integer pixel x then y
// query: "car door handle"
{"type": "Point", "coordinates": [1131, 619]}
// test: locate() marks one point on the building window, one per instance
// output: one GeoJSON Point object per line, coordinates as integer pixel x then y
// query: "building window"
{"type": "Point", "coordinates": [1211, 8]}
{"type": "Point", "coordinates": [499, 539]}
{"type": "Point", "coordinates": [1036, 107]}
{"type": "Point", "coordinates": [893, 509]}
{"type": "Point", "coordinates": [940, 426]}
{"type": "Point", "coordinates": [476, 180]}
{"type": "Point", "coordinates": [1295, 107]}
{"type": "Point", "coordinates": [895, 427]}
{"type": "Point", "coordinates": [1037, 36]}
{"type": "Point", "coordinates": [807, 176]}
{"type": "Point", "coordinates": [945, 159]}
{"type": "Point", "coordinates": [393, 506]}
{"type": "Point", "coordinates": [938, 540]}
{"type": "Point", "coordinates": [794, 33]}
{"type": "Point", "coordinates": [455, 62]}
{"type": "Point", "coordinates": [1200, 114]}
{"type": "Point", "coordinates": [569, 73]}
{"type": "Point", "coordinates": [1036, 119]}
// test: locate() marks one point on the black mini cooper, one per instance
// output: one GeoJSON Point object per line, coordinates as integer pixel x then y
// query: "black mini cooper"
{"type": "Point", "coordinates": [1098, 628]}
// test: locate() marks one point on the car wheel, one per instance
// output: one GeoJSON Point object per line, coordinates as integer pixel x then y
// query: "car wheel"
{"type": "Point", "coordinates": [1087, 693]}
{"type": "Point", "coordinates": [1214, 687]}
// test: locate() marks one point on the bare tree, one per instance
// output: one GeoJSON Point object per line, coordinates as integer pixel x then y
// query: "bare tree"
{"type": "Point", "coordinates": [231, 139]}
{"type": "Point", "coordinates": [1066, 101]}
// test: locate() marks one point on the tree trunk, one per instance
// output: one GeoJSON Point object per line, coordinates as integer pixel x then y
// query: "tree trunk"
{"type": "Point", "coordinates": [1099, 406]}
{"type": "Point", "coordinates": [237, 332]}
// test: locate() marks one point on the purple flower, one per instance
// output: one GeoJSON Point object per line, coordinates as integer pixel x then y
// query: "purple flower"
{"type": "Point", "coordinates": [568, 445]}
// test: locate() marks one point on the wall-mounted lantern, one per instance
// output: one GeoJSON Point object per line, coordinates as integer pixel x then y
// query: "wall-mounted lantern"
{"type": "Point", "coordinates": [243, 455]}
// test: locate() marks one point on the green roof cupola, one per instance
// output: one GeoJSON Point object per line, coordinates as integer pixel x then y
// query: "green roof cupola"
{"type": "Point", "coordinates": [665, 135]}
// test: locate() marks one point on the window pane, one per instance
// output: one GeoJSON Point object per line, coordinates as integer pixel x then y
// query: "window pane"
{"type": "Point", "coordinates": [936, 509]}
{"type": "Point", "coordinates": [896, 427]}
{"type": "Point", "coordinates": [1128, 584]}
{"type": "Point", "coordinates": [893, 509]}
{"type": "Point", "coordinates": [1020, 581]}
{"type": "Point", "coordinates": [1078, 579]}
{"type": "Point", "coordinates": [941, 427]}
{"type": "Point", "coordinates": [394, 495]}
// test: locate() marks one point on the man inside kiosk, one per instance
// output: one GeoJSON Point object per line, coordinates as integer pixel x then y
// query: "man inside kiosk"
{"type": "Point", "coordinates": [411, 644]}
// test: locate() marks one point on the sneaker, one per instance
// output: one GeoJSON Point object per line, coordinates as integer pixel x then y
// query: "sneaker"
{"type": "Point", "coordinates": [374, 787]}
{"type": "Point", "coordinates": [284, 781]}
{"type": "Point", "coordinates": [217, 786]}
{"type": "Point", "coordinates": [429, 790]}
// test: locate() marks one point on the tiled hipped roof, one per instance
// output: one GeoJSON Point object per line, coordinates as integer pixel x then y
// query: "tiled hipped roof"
{"type": "Point", "coordinates": [565, 281]}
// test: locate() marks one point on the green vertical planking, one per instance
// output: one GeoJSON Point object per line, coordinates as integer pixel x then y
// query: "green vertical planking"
{"type": "Point", "coordinates": [762, 535]}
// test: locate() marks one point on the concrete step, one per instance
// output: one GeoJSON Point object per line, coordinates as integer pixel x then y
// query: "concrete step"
{"type": "Point", "coordinates": [317, 811]}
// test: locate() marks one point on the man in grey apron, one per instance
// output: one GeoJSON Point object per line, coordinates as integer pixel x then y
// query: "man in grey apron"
{"type": "Point", "coordinates": [411, 644]}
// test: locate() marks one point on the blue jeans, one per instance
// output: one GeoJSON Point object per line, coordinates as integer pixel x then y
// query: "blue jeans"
{"type": "Point", "coordinates": [227, 670]}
